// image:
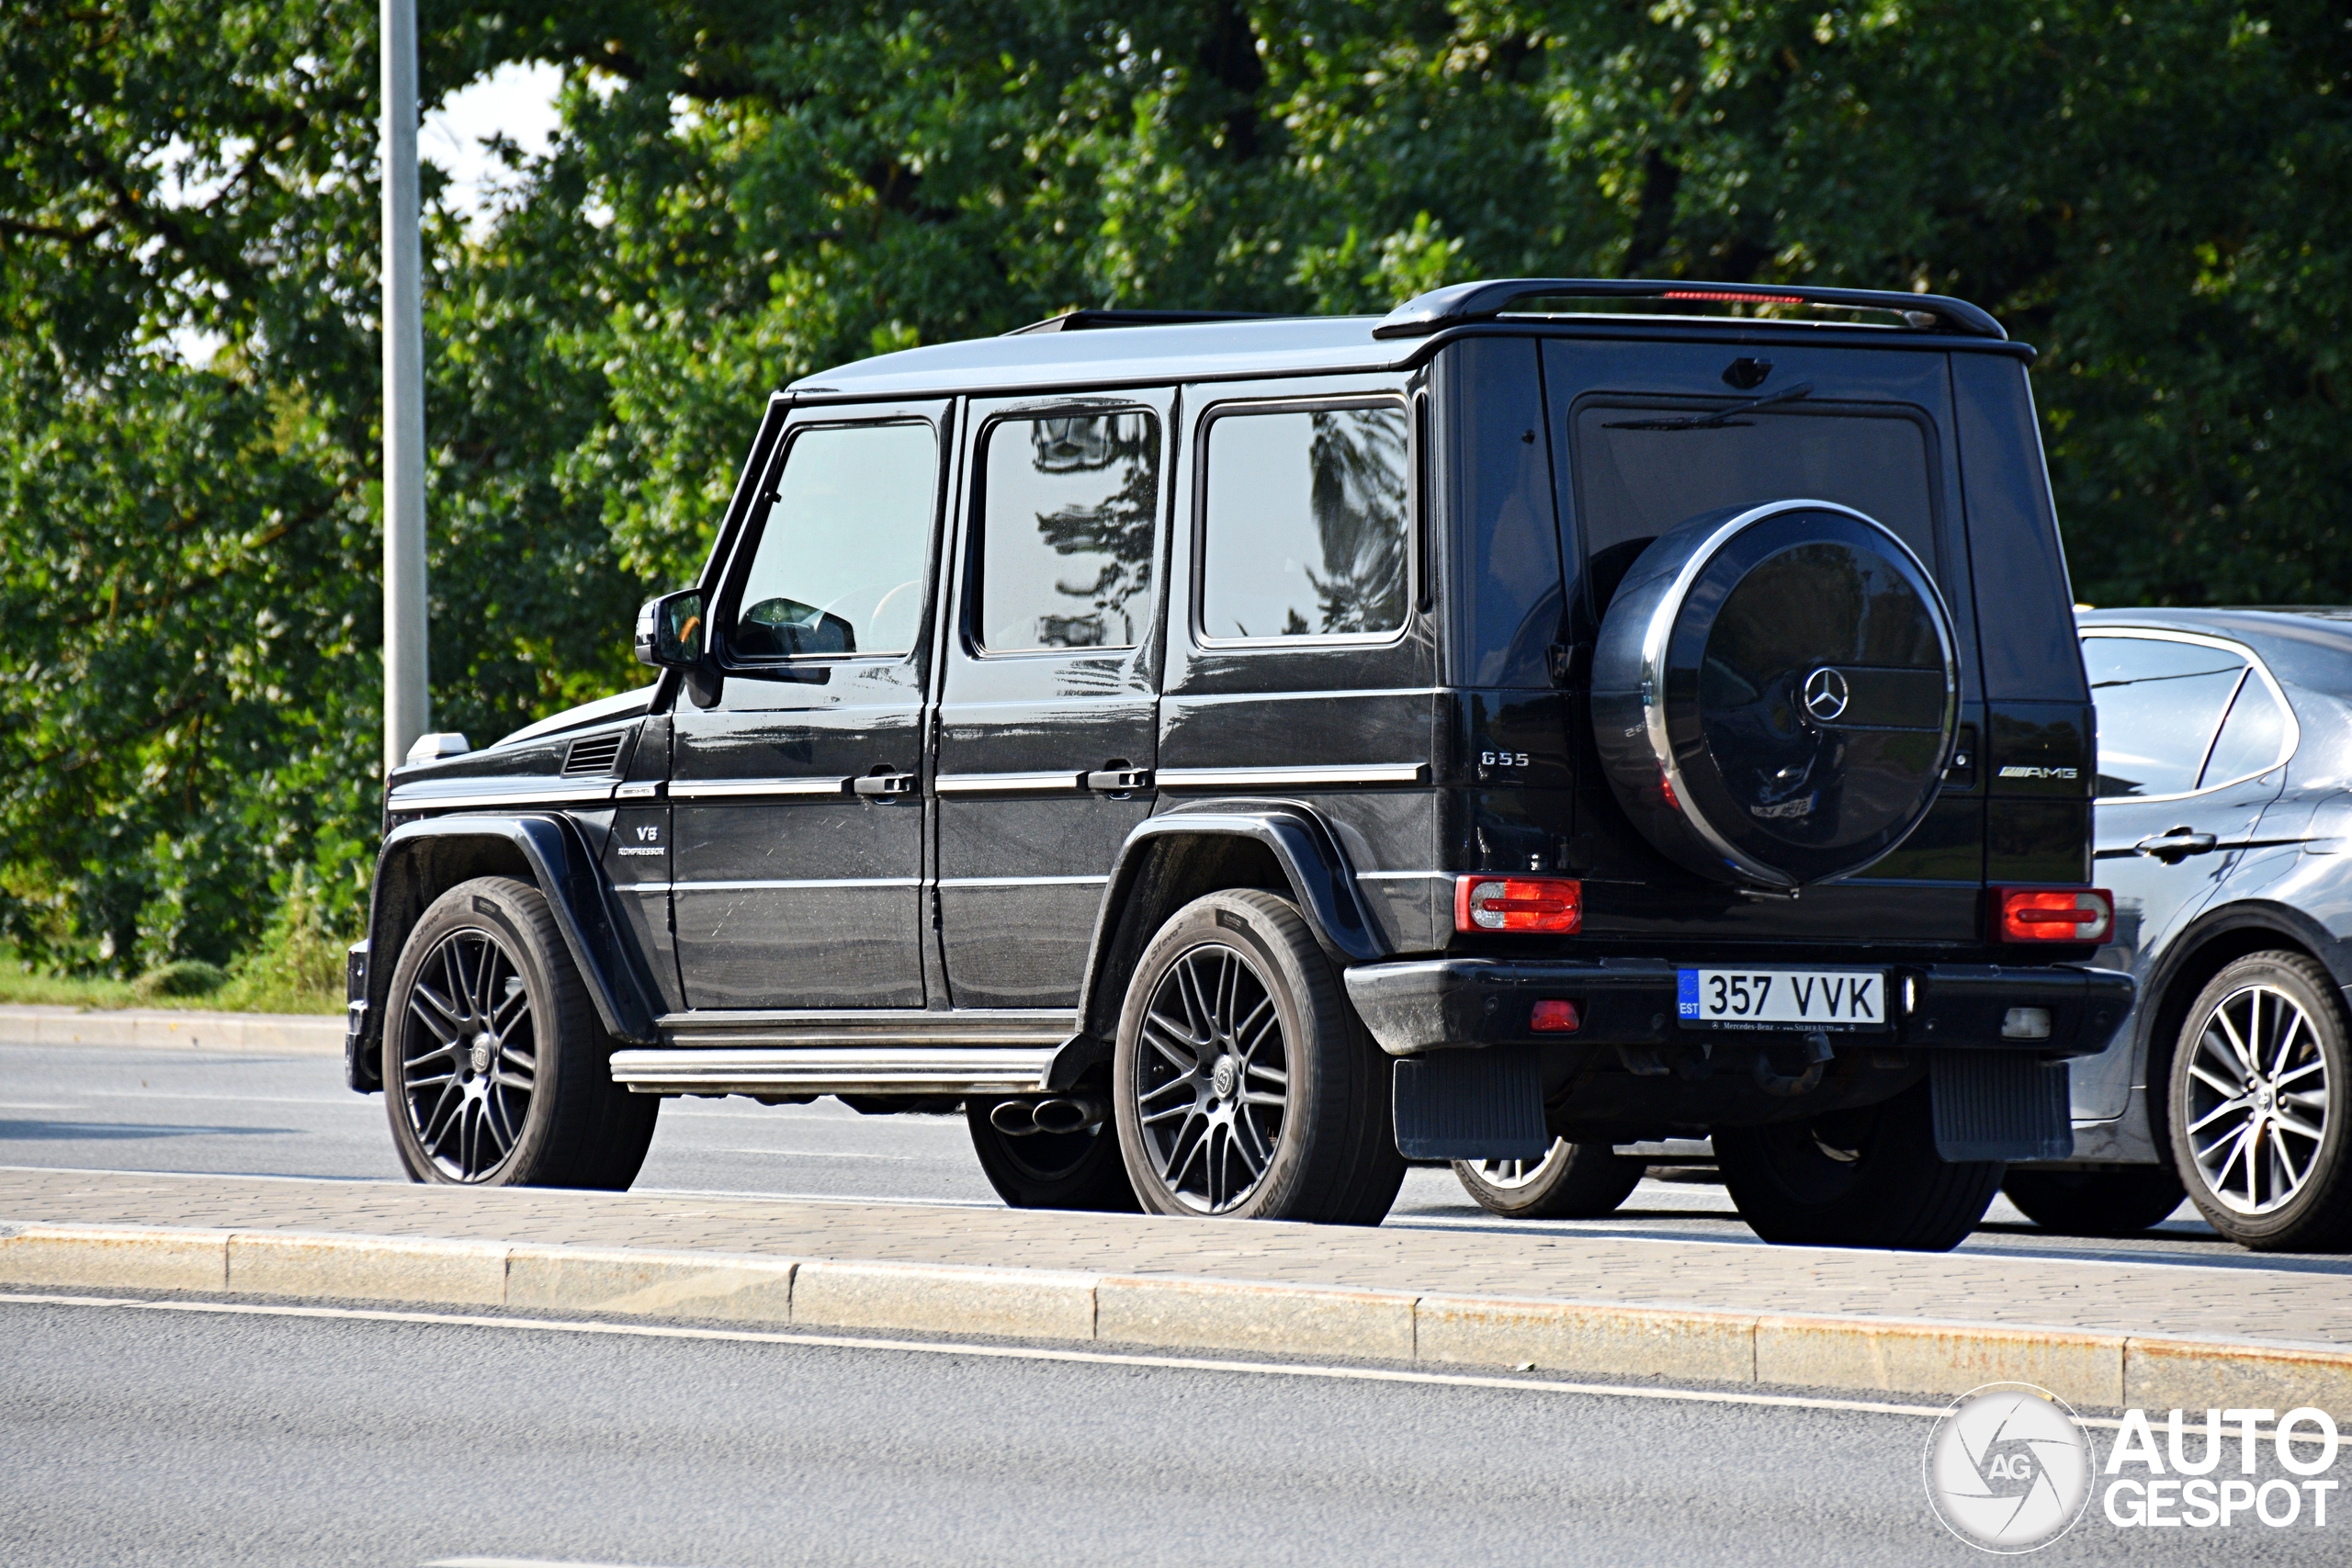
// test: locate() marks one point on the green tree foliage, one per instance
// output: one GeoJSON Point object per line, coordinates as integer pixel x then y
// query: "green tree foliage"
{"type": "Point", "coordinates": [2156, 194]}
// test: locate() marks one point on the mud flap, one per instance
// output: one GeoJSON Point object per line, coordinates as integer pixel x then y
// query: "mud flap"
{"type": "Point", "coordinates": [1484, 1104]}
{"type": "Point", "coordinates": [2000, 1105]}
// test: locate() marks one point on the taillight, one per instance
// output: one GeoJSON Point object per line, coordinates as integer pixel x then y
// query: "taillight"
{"type": "Point", "coordinates": [1553, 1015]}
{"type": "Point", "coordinates": [2056, 914]}
{"type": "Point", "coordinates": [1552, 903]}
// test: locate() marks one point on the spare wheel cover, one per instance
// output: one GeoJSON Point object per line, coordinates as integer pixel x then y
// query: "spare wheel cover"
{"type": "Point", "coordinates": [1775, 693]}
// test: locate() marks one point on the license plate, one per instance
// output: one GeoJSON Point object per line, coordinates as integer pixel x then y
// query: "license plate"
{"type": "Point", "coordinates": [1784, 998]}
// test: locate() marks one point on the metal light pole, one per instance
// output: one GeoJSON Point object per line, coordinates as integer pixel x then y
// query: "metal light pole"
{"type": "Point", "coordinates": [407, 703]}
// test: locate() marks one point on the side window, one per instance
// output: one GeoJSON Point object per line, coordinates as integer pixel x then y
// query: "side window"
{"type": "Point", "coordinates": [1306, 523]}
{"type": "Point", "coordinates": [2251, 739]}
{"type": "Point", "coordinates": [839, 564]}
{"type": "Point", "coordinates": [2159, 706]}
{"type": "Point", "coordinates": [1065, 531]}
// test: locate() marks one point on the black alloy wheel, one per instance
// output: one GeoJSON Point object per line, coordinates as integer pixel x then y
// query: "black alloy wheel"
{"type": "Point", "coordinates": [1572, 1181]}
{"type": "Point", "coordinates": [468, 1054]}
{"type": "Point", "coordinates": [497, 1072]}
{"type": "Point", "coordinates": [1242, 1083]}
{"type": "Point", "coordinates": [1215, 1086]}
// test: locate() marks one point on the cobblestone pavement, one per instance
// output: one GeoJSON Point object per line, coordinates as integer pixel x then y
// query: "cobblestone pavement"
{"type": "Point", "coordinates": [2268, 1306]}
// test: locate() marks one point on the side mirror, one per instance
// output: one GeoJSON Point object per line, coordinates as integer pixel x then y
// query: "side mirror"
{"type": "Point", "coordinates": [670, 631]}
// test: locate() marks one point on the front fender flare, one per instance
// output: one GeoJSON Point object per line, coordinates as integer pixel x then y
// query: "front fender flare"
{"type": "Point", "coordinates": [566, 873]}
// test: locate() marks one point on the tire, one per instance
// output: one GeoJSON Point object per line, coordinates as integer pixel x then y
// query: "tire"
{"type": "Point", "coordinates": [496, 1070]}
{"type": "Point", "coordinates": [2122, 1200]}
{"type": "Point", "coordinates": [1573, 1181]}
{"type": "Point", "coordinates": [1862, 1177]}
{"type": "Point", "coordinates": [1052, 1170]}
{"type": "Point", "coordinates": [1209, 1123]}
{"type": "Point", "coordinates": [2265, 1162]}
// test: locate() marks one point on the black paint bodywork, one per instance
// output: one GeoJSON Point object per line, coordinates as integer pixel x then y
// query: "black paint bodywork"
{"type": "Point", "coordinates": [1361, 777]}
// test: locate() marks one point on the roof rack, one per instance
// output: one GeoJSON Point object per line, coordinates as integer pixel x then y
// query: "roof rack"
{"type": "Point", "coordinates": [1080, 321]}
{"type": "Point", "coordinates": [1460, 302]}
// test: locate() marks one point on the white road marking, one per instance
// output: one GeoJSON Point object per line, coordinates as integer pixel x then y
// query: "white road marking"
{"type": "Point", "coordinates": [1002, 1352]}
{"type": "Point", "coordinates": [519, 1562]}
{"type": "Point", "coordinates": [1034, 1353]}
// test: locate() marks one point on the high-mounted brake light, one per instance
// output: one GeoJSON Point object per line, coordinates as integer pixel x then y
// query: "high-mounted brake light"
{"type": "Point", "coordinates": [1554, 904]}
{"type": "Point", "coordinates": [2055, 914]}
{"type": "Point", "coordinates": [1725, 294]}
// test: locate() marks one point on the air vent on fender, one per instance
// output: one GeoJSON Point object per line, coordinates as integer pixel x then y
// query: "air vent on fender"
{"type": "Point", "coordinates": [593, 754]}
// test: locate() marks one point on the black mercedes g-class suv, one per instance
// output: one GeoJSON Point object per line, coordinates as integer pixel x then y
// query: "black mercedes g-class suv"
{"type": "Point", "coordinates": [1232, 757]}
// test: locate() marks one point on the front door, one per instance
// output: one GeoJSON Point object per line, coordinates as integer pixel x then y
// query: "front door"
{"type": "Point", "coordinates": [1047, 719]}
{"type": "Point", "coordinates": [798, 820]}
{"type": "Point", "coordinates": [2188, 731]}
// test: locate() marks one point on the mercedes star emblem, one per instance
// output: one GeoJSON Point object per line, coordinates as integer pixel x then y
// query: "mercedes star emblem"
{"type": "Point", "coordinates": [1824, 694]}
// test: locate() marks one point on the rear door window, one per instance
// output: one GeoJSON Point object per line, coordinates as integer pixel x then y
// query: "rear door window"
{"type": "Point", "coordinates": [1306, 530]}
{"type": "Point", "coordinates": [2160, 704]}
{"type": "Point", "coordinates": [1065, 531]}
{"type": "Point", "coordinates": [1641, 474]}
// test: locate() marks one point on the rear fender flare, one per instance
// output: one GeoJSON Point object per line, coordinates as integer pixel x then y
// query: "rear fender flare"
{"type": "Point", "coordinates": [421, 860]}
{"type": "Point", "coordinates": [2251, 925]}
{"type": "Point", "coordinates": [1303, 846]}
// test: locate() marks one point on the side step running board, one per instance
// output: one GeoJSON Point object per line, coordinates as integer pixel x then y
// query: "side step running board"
{"type": "Point", "coordinates": [824, 1069]}
{"type": "Point", "coordinates": [901, 1051]}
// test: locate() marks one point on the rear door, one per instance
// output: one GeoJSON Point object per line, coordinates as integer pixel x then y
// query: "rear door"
{"type": "Point", "coordinates": [1047, 719]}
{"type": "Point", "coordinates": [1872, 431]}
{"type": "Point", "coordinates": [2190, 731]}
{"type": "Point", "coordinates": [797, 816]}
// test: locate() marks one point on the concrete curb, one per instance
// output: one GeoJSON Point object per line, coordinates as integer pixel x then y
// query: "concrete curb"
{"type": "Point", "coordinates": [296, 1034]}
{"type": "Point", "coordinates": [1880, 1355]}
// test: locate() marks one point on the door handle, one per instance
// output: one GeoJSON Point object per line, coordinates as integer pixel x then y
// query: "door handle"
{"type": "Point", "coordinates": [2175, 844]}
{"type": "Point", "coordinates": [1117, 780]}
{"type": "Point", "coordinates": [884, 784]}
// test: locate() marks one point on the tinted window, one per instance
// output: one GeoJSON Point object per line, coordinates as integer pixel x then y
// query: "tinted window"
{"type": "Point", "coordinates": [1067, 530]}
{"type": "Point", "coordinates": [840, 562]}
{"type": "Point", "coordinates": [1306, 532]}
{"type": "Point", "coordinates": [2250, 737]}
{"type": "Point", "coordinates": [2159, 704]}
{"type": "Point", "coordinates": [1635, 484]}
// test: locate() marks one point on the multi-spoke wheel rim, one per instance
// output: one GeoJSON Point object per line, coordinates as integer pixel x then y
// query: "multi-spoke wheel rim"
{"type": "Point", "coordinates": [2257, 1094]}
{"type": "Point", "coordinates": [1212, 1079]}
{"type": "Point", "coordinates": [468, 1056]}
{"type": "Point", "coordinates": [1509, 1175]}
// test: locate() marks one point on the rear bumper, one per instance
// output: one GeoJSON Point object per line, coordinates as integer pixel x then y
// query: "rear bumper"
{"type": "Point", "coordinates": [1417, 1005]}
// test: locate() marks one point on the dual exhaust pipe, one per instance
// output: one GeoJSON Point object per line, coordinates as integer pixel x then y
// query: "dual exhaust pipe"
{"type": "Point", "coordinates": [1061, 1114]}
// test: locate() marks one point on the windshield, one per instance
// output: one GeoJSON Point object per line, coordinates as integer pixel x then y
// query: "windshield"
{"type": "Point", "coordinates": [1634, 484]}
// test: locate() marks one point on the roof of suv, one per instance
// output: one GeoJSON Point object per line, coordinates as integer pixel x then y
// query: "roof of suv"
{"type": "Point", "coordinates": [1182, 346]}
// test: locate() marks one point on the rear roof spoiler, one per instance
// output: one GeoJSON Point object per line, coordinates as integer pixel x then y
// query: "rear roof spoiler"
{"type": "Point", "coordinates": [1461, 302]}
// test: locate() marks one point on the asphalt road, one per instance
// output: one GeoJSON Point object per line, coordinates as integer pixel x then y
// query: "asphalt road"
{"type": "Point", "coordinates": [171, 1437]}
{"type": "Point", "coordinates": [116, 1109]}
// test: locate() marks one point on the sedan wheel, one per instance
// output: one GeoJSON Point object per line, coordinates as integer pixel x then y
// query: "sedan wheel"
{"type": "Point", "coordinates": [2256, 1134]}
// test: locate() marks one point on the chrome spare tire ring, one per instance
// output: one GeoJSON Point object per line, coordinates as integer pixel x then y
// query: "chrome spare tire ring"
{"type": "Point", "coordinates": [1213, 1085]}
{"type": "Point", "coordinates": [468, 1056]}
